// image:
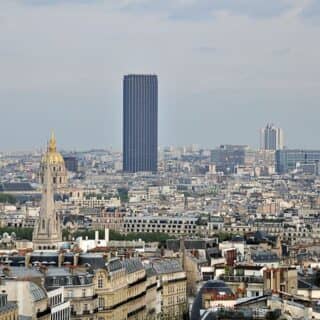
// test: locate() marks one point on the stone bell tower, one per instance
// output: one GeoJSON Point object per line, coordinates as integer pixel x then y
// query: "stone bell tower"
{"type": "Point", "coordinates": [47, 231]}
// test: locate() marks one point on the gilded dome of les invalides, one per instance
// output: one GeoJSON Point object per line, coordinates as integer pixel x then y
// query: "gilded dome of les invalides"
{"type": "Point", "coordinates": [52, 156]}
{"type": "Point", "coordinates": [54, 159]}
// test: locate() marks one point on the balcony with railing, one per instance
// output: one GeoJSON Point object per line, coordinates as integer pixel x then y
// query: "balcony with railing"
{"type": "Point", "coordinates": [245, 279]}
{"type": "Point", "coordinates": [44, 313]}
{"type": "Point", "coordinates": [82, 298]}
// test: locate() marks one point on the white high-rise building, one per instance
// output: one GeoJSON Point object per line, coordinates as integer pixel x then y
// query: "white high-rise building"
{"type": "Point", "coordinates": [271, 138]}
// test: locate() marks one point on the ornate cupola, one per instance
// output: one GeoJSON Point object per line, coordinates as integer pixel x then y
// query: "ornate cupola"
{"type": "Point", "coordinates": [53, 159]}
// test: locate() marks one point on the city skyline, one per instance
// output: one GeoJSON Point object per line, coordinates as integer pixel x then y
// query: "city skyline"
{"type": "Point", "coordinates": [248, 67]}
{"type": "Point", "coordinates": [181, 179]}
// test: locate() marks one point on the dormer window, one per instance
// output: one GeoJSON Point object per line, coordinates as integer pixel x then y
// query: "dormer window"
{"type": "Point", "coordinates": [55, 281]}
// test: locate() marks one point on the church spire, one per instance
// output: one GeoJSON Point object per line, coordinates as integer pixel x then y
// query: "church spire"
{"type": "Point", "coordinates": [47, 232]}
{"type": "Point", "coordinates": [52, 147]}
{"type": "Point", "coordinates": [47, 200]}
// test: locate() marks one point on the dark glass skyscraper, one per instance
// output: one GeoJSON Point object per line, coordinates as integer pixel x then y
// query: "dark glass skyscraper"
{"type": "Point", "coordinates": [140, 123]}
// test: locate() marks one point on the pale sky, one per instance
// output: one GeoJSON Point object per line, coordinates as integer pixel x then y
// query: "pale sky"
{"type": "Point", "coordinates": [225, 68]}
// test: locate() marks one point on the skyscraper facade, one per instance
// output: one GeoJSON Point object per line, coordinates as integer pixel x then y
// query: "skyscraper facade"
{"type": "Point", "coordinates": [291, 159]}
{"type": "Point", "coordinates": [271, 138]}
{"type": "Point", "coordinates": [227, 157]}
{"type": "Point", "coordinates": [140, 123]}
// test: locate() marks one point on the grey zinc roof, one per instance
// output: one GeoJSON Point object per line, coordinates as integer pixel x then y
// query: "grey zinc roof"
{"type": "Point", "coordinates": [95, 260]}
{"type": "Point", "coordinates": [36, 292]}
{"type": "Point", "coordinates": [132, 265]}
{"type": "Point", "coordinates": [39, 253]}
{"type": "Point", "coordinates": [57, 272]}
{"type": "Point", "coordinates": [263, 256]}
{"type": "Point", "coordinates": [63, 272]}
{"type": "Point", "coordinates": [16, 186]}
{"type": "Point", "coordinates": [214, 285]}
{"type": "Point", "coordinates": [150, 271]}
{"type": "Point", "coordinates": [167, 266]}
{"type": "Point", "coordinates": [114, 265]}
{"type": "Point", "coordinates": [9, 306]}
{"type": "Point", "coordinates": [20, 272]}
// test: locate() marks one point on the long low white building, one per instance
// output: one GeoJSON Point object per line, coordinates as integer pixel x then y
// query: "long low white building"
{"type": "Point", "coordinates": [171, 225]}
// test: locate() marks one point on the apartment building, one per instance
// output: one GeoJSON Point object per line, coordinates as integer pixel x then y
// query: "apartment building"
{"type": "Point", "coordinates": [78, 290]}
{"type": "Point", "coordinates": [173, 287]}
{"type": "Point", "coordinates": [8, 309]}
{"type": "Point", "coordinates": [124, 289]}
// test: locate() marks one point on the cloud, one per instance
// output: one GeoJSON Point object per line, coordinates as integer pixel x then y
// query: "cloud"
{"type": "Point", "coordinates": [204, 9]}
{"type": "Point", "coordinates": [58, 2]}
{"type": "Point", "coordinates": [311, 11]}
{"type": "Point", "coordinates": [62, 64]}
{"type": "Point", "coordinates": [207, 49]}
{"type": "Point", "coordinates": [282, 51]}
{"type": "Point", "coordinates": [184, 9]}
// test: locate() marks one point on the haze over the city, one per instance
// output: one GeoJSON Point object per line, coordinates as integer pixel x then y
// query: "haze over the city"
{"type": "Point", "coordinates": [225, 68]}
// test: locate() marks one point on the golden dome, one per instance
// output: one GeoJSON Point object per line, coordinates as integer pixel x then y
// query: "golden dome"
{"type": "Point", "coordinates": [52, 156]}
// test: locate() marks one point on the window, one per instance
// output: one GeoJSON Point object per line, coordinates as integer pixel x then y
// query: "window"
{"type": "Point", "coordinates": [83, 292]}
{"type": "Point", "coordinates": [100, 282]}
{"type": "Point", "coordinates": [56, 281]}
{"type": "Point", "coordinates": [101, 302]}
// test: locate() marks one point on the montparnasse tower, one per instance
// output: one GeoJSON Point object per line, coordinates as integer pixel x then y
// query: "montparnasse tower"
{"type": "Point", "coordinates": [54, 160]}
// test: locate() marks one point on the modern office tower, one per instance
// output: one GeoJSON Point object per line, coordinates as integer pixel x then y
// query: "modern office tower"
{"type": "Point", "coordinates": [227, 157]}
{"type": "Point", "coordinates": [271, 138]}
{"type": "Point", "coordinates": [140, 123]}
{"type": "Point", "coordinates": [304, 160]}
{"type": "Point", "coordinates": [71, 163]}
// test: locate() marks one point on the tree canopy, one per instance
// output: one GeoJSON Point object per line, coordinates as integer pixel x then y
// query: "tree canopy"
{"type": "Point", "coordinates": [7, 198]}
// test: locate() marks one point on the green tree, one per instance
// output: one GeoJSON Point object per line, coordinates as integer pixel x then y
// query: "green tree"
{"type": "Point", "coordinates": [113, 235]}
{"type": "Point", "coordinates": [21, 233]}
{"type": "Point", "coordinates": [123, 194]}
{"type": "Point", "coordinates": [7, 198]}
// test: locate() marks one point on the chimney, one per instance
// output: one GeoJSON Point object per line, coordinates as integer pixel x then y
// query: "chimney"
{"type": "Point", "coordinates": [106, 235]}
{"type": "Point", "coordinates": [60, 259]}
{"type": "Point", "coordinates": [76, 259]}
{"type": "Point", "coordinates": [27, 260]}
